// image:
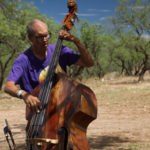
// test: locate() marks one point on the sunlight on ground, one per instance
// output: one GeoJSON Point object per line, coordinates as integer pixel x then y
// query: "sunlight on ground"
{"type": "Point", "coordinates": [123, 115]}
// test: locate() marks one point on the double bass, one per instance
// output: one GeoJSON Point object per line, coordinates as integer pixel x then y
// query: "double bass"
{"type": "Point", "coordinates": [68, 106]}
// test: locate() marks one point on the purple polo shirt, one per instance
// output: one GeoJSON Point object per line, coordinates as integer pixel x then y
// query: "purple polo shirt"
{"type": "Point", "coordinates": [27, 67]}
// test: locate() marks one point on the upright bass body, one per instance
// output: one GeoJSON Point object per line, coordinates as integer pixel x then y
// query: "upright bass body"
{"type": "Point", "coordinates": [71, 107]}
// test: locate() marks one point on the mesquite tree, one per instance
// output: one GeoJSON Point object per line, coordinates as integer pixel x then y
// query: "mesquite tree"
{"type": "Point", "coordinates": [132, 28]}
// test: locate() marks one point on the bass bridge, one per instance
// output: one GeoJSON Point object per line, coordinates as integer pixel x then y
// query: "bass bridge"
{"type": "Point", "coordinates": [42, 141]}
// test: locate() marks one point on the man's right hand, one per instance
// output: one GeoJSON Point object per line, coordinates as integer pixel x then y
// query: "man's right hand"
{"type": "Point", "coordinates": [32, 102]}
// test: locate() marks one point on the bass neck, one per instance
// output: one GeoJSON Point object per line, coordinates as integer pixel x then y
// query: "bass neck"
{"type": "Point", "coordinates": [48, 82]}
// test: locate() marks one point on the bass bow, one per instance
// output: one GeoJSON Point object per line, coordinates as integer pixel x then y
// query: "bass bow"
{"type": "Point", "coordinates": [9, 136]}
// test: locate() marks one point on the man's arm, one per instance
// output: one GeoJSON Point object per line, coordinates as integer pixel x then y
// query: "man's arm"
{"type": "Point", "coordinates": [85, 59]}
{"type": "Point", "coordinates": [31, 101]}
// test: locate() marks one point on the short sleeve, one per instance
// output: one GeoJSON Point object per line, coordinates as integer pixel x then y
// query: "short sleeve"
{"type": "Point", "coordinates": [16, 71]}
{"type": "Point", "coordinates": [68, 57]}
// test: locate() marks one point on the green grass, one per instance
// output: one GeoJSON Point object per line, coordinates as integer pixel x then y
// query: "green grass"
{"type": "Point", "coordinates": [134, 146]}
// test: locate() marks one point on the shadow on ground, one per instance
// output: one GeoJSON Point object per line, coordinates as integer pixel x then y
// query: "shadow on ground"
{"type": "Point", "coordinates": [99, 142]}
{"type": "Point", "coordinates": [18, 128]}
{"type": "Point", "coordinates": [95, 142]}
{"type": "Point", "coordinates": [102, 142]}
{"type": "Point", "coordinates": [21, 147]}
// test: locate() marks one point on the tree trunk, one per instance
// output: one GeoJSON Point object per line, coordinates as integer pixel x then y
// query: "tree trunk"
{"type": "Point", "coordinates": [141, 75]}
{"type": "Point", "coordinates": [1, 82]}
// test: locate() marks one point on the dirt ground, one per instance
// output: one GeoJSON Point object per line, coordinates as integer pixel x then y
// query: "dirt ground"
{"type": "Point", "coordinates": [123, 120]}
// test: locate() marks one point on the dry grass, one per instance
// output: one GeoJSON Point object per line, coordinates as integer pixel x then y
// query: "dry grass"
{"type": "Point", "coordinates": [123, 115]}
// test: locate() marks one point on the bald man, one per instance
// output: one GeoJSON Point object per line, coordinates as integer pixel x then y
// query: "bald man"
{"type": "Point", "coordinates": [28, 66]}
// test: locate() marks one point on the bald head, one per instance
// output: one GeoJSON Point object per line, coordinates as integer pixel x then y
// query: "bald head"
{"type": "Point", "coordinates": [32, 26]}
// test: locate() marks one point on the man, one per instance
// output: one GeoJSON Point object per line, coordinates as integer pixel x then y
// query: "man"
{"type": "Point", "coordinates": [28, 66]}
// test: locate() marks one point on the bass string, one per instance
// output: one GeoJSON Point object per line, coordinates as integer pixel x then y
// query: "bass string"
{"type": "Point", "coordinates": [33, 130]}
{"type": "Point", "coordinates": [35, 119]}
{"type": "Point", "coordinates": [45, 95]}
{"type": "Point", "coordinates": [47, 89]}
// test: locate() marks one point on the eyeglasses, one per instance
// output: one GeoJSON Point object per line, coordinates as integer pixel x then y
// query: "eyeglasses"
{"type": "Point", "coordinates": [41, 37]}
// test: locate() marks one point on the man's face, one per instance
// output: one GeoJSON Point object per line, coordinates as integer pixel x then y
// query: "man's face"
{"type": "Point", "coordinates": [40, 37]}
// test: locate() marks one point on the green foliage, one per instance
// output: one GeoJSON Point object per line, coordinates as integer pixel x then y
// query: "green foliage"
{"type": "Point", "coordinates": [14, 16]}
{"type": "Point", "coordinates": [91, 38]}
{"type": "Point", "coordinates": [125, 49]}
{"type": "Point", "coordinates": [131, 27]}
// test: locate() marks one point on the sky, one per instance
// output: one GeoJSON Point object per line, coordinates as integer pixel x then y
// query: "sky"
{"type": "Point", "coordinates": [94, 11]}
